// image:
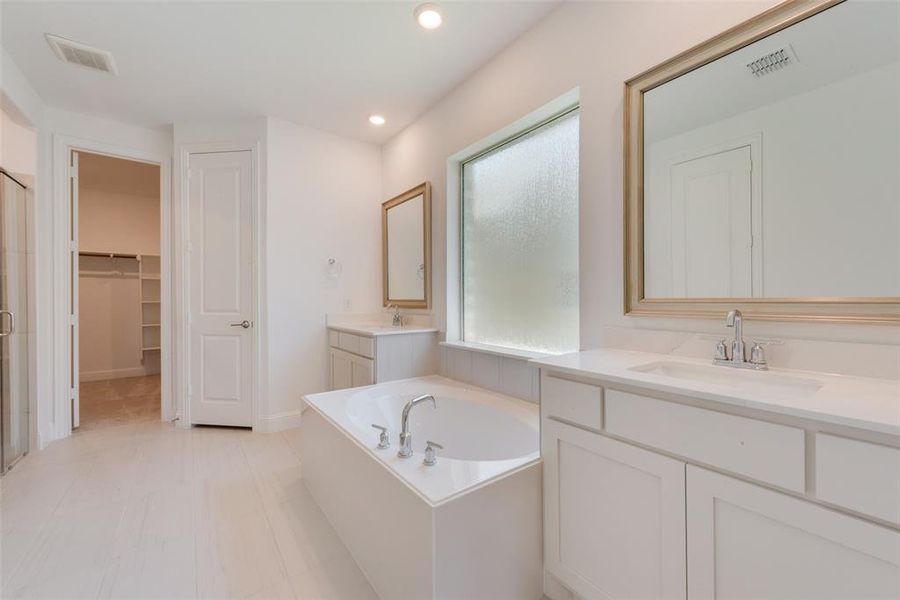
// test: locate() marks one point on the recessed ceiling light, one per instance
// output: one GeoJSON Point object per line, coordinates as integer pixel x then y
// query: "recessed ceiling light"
{"type": "Point", "coordinates": [376, 120]}
{"type": "Point", "coordinates": [429, 16]}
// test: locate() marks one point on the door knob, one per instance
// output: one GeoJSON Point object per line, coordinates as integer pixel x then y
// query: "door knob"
{"type": "Point", "coordinates": [245, 324]}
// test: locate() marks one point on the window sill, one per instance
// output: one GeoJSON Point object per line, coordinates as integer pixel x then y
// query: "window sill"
{"type": "Point", "coordinates": [496, 350]}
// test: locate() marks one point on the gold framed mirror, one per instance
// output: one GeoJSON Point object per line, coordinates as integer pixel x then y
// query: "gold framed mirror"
{"type": "Point", "coordinates": [406, 248]}
{"type": "Point", "coordinates": [760, 170]}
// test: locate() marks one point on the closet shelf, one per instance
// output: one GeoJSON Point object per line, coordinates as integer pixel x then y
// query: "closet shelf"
{"type": "Point", "coordinates": [150, 276]}
{"type": "Point", "coordinates": [150, 302]}
{"type": "Point", "coordinates": [150, 349]}
{"type": "Point", "coordinates": [150, 325]}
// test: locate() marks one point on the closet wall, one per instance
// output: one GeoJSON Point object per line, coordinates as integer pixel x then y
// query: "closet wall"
{"type": "Point", "coordinates": [118, 212]}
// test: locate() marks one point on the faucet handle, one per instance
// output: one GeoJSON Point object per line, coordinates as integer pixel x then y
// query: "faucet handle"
{"type": "Point", "coordinates": [721, 352]}
{"type": "Point", "coordinates": [383, 440]}
{"type": "Point", "coordinates": [430, 455]}
{"type": "Point", "coordinates": [758, 353]}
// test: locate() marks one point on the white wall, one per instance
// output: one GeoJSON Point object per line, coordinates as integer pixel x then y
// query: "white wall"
{"type": "Point", "coordinates": [115, 222]}
{"type": "Point", "coordinates": [109, 306]}
{"type": "Point", "coordinates": [595, 47]}
{"type": "Point", "coordinates": [324, 195]}
{"type": "Point", "coordinates": [830, 210]}
{"type": "Point", "coordinates": [18, 145]}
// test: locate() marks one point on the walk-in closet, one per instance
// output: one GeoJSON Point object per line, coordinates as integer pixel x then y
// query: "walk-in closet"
{"type": "Point", "coordinates": [119, 300]}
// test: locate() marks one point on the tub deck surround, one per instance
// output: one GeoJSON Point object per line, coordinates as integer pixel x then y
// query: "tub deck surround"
{"type": "Point", "coordinates": [467, 527]}
{"type": "Point", "coordinates": [869, 404]}
{"type": "Point", "coordinates": [485, 435]}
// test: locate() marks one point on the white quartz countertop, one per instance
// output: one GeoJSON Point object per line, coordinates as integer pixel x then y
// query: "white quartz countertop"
{"type": "Point", "coordinates": [379, 329]}
{"type": "Point", "coordinates": [870, 404]}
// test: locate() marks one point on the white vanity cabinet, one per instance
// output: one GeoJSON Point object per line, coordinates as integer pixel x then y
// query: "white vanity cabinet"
{"type": "Point", "coordinates": [367, 355]}
{"type": "Point", "coordinates": [649, 495]}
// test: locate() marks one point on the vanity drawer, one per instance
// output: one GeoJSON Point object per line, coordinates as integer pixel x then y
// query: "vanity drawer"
{"type": "Point", "coordinates": [348, 342]}
{"type": "Point", "coordinates": [367, 347]}
{"type": "Point", "coordinates": [579, 403]}
{"type": "Point", "coordinates": [861, 476]}
{"type": "Point", "coordinates": [333, 338]}
{"type": "Point", "coordinates": [764, 451]}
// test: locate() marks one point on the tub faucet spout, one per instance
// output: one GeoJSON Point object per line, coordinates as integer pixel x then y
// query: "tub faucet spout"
{"type": "Point", "coordinates": [405, 435]}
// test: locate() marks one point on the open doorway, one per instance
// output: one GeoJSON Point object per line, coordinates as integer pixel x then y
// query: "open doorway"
{"type": "Point", "coordinates": [117, 290]}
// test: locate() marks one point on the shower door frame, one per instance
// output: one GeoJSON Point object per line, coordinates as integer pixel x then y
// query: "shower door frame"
{"type": "Point", "coordinates": [27, 184]}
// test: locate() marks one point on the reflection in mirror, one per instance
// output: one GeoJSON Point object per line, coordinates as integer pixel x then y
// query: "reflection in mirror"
{"type": "Point", "coordinates": [406, 250]}
{"type": "Point", "coordinates": [772, 172]}
{"type": "Point", "coordinates": [406, 254]}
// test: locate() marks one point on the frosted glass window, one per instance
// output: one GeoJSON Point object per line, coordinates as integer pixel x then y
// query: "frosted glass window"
{"type": "Point", "coordinates": [520, 241]}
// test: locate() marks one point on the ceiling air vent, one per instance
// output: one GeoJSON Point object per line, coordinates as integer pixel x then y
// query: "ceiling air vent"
{"type": "Point", "coordinates": [773, 61]}
{"type": "Point", "coordinates": [82, 55]}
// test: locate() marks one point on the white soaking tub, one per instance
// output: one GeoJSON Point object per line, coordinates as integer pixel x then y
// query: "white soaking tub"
{"type": "Point", "coordinates": [468, 527]}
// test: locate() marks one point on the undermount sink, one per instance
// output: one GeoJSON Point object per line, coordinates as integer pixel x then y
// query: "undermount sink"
{"type": "Point", "coordinates": [746, 380]}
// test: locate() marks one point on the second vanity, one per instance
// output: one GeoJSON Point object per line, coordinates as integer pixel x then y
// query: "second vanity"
{"type": "Point", "coordinates": [366, 353]}
{"type": "Point", "coordinates": [667, 477]}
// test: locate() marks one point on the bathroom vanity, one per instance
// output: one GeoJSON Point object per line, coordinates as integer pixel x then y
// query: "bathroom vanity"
{"type": "Point", "coordinates": [668, 477]}
{"type": "Point", "coordinates": [362, 354]}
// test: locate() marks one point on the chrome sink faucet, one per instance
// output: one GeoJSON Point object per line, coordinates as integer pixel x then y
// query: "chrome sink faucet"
{"type": "Point", "coordinates": [405, 450]}
{"type": "Point", "coordinates": [738, 357]}
{"type": "Point", "coordinates": [398, 318]}
{"type": "Point", "coordinates": [735, 319]}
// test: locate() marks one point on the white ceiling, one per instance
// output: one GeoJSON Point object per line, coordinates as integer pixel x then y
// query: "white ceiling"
{"type": "Point", "coordinates": [325, 64]}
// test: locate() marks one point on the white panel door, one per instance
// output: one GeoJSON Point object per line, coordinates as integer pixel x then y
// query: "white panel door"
{"type": "Point", "coordinates": [711, 226]}
{"type": "Point", "coordinates": [613, 516]}
{"type": "Point", "coordinates": [745, 541]}
{"type": "Point", "coordinates": [221, 288]}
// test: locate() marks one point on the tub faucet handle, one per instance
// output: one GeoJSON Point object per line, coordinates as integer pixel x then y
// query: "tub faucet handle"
{"type": "Point", "coordinates": [383, 440]}
{"type": "Point", "coordinates": [430, 457]}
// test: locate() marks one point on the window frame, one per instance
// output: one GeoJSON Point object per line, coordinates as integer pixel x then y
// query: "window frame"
{"type": "Point", "coordinates": [509, 138]}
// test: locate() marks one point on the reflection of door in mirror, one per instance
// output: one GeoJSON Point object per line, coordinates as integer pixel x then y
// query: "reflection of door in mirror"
{"type": "Point", "coordinates": [711, 230]}
{"type": "Point", "coordinates": [406, 250]}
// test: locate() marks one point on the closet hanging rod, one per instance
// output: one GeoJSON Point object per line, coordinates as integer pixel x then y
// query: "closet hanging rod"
{"type": "Point", "coordinates": [109, 254]}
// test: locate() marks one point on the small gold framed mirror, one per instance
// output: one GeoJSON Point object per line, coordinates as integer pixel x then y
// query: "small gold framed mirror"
{"type": "Point", "coordinates": [761, 170]}
{"type": "Point", "coordinates": [406, 248]}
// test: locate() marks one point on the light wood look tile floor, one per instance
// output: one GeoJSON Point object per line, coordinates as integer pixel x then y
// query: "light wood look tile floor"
{"type": "Point", "coordinates": [131, 507]}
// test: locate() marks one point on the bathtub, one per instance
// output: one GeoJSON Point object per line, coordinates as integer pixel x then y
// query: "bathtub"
{"type": "Point", "coordinates": [468, 527]}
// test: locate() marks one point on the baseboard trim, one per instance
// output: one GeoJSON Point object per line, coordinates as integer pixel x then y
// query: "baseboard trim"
{"type": "Point", "coordinates": [279, 421]}
{"type": "Point", "coordinates": [112, 374]}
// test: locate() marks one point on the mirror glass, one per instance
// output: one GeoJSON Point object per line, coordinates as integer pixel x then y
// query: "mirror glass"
{"type": "Point", "coordinates": [405, 221]}
{"type": "Point", "coordinates": [774, 171]}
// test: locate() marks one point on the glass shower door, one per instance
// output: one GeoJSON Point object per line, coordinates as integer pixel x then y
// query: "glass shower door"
{"type": "Point", "coordinates": [15, 255]}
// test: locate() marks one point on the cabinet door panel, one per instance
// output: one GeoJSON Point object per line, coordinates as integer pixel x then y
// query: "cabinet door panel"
{"type": "Point", "coordinates": [362, 372]}
{"type": "Point", "coordinates": [341, 370]}
{"type": "Point", "coordinates": [614, 516]}
{"type": "Point", "coordinates": [745, 541]}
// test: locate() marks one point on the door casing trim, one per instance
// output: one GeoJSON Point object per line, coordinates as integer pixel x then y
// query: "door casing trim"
{"type": "Point", "coordinates": [62, 147]}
